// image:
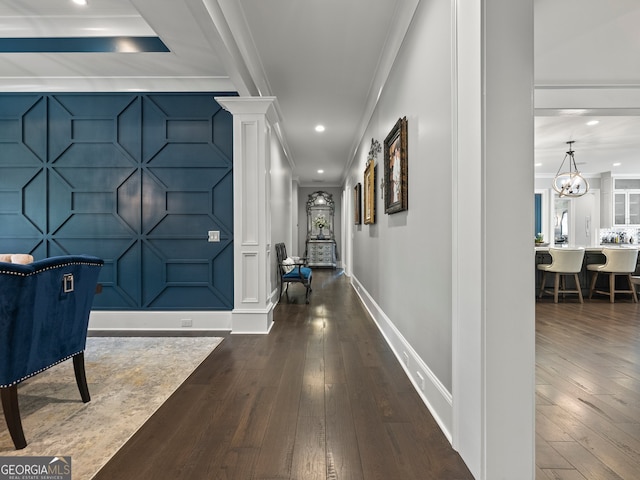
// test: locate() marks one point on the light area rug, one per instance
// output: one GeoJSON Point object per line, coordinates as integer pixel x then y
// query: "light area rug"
{"type": "Point", "coordinates": [128, 378]}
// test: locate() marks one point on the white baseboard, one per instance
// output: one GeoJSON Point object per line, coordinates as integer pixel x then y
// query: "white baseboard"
{"type": "Point", "coordinates": [435, 396]}
{"type": "Point", "coordinates": [157, 321]}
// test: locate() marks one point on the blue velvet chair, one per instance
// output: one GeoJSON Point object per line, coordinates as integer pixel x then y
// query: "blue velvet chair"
{"type": "Point", "coordinates": [292, 272]}
{"type": "Point", "coordinates": [44, 315]}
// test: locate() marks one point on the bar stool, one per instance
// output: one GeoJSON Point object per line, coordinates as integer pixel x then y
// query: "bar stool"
{"type": "Point", "coordinates": [564, 261]}
{"type": "Point", "coordinates": [635, 280]}
{"type": "Point", "coordinates": [620, 261]}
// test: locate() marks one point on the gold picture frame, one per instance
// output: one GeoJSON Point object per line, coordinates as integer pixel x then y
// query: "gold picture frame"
{"type": "Point", "coordinates": [357, 202]}
{"type": "Point", "coordinates": [370, 193]}
{"type": "Point", "coordinates": [396, 195]}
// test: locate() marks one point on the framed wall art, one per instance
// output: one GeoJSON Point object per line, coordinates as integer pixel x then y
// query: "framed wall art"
{"type": "Point", "coordinates": [396, 179]}
{"type": "Point", "coordinates": [357, 201]}
{"type": "Point", "coordinates": [370, 193]}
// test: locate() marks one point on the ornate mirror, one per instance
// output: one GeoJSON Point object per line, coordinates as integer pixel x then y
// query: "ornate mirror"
{"type": "Point", "coordinates": [320, 209]}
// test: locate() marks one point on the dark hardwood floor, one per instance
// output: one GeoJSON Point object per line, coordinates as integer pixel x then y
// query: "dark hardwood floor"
{"type": "Point", "coordinates": [588, 389]}
{"type": "Point", "coordinates": [321, 397]}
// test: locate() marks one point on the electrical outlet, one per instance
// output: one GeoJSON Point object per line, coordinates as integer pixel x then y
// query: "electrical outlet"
{"type": "Point", "coordinates": [421, 381]}
{"type": "Point", "coordinates": [187, 322]}
{"type": "Point", "coordinates": [213, 235]}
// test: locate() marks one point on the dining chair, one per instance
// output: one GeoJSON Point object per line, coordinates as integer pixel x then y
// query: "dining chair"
{"type": "Point", "coordinates": [564, 261]}
{"type": "Point", "coordinates": [619, 261]}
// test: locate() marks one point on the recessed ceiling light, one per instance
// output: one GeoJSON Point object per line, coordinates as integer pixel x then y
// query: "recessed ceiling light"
{"type": "Point", "coordinates": [538, 164]}
{"type": "Point", "coordinates": [320, 171]}
{"type": "Point", "coordinates": [319, 128]}
{"type": "Point", "coordinates": [617, 164]}
{"type": "Point", "coordinates": [593, 122]}
{"type": "Point", "coordinates": [80, 2]}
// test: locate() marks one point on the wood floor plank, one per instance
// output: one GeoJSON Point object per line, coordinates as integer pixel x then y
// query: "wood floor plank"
{"type": "Point", "coordinates": [559, 474]}
{"type": "Point", "coordinates": [238, 464]}
{"type": "Point", "coordinates": [276, 453]}
{"type": "Point", "coordinates": [253, 422]}
{"type": "Point", "coordinates": [377, 463]}
{"type": "Point", "coordinates": [309, 453]}
{"type": "Point", "coordinates": [343, 454]}
{"type": "Point", "coordinates": [550, 430]}
{"type": "Point", "coordinates": [547, 457]}
{"type": "Point", "coordinates": [584, 462]}
{"type": "Point", "coordinates": [586, 389]}
{"type": "Point", "coordinates": [430, 452]}
{"type": "Point", "coordinates": [627, 447]}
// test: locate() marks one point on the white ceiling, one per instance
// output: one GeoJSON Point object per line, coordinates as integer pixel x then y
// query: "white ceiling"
{"type": "Point", "coordinates": [326, 62]}
{"type": "Point", "coordinates": [588, 43]}
{"type": "Point", "coordinates": [611, 145]}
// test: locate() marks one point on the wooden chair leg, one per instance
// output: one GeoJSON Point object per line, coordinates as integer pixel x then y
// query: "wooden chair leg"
{"type": "Point", "coordinates": [556, 286]}
{"type": "Point", "coordinates": [593, 283]}
{"type": "Point", "coordinates": [578, 287]}
{"type": "Point", "coordinates": [544, 279]}
{"type": "Point", "coordinates": [633, 289]}
{"type": "Point", "coordinates": [612, 288]}
{"type": "Point", "coordinates": [12, 415]}
{"type": "Point", "coordinates": [81, 378]}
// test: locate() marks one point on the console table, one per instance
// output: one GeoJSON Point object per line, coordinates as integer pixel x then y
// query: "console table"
{"type": "Point", "coordinates": [321, 253]}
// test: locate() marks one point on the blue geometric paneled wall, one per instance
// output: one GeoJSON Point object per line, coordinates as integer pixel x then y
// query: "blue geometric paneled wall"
{"type": "Point", "coordinates": [136, 179]}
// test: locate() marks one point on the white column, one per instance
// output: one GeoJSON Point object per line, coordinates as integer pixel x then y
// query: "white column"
{"type": "Point", "coordinates": [494, 327]}
{"type": "Point", "coordinates": [253, 118]}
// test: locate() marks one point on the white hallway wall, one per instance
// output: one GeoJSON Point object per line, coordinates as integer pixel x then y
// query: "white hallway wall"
{"type": "Point", "coordinates": [403, 261]}
{"type": "Point", "coordinates": [430, 275]}
{"type": "Point", "coordinates": [282, 206]}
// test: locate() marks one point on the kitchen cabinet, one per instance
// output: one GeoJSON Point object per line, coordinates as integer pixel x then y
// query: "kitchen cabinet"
{"type": "Point", "coordinates": [626, 201]}
{"type": "Point", "coordinates": [626, 207]}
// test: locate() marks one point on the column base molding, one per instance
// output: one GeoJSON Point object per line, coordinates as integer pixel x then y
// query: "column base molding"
{"type": "Point", "coordinates": [252, 321]}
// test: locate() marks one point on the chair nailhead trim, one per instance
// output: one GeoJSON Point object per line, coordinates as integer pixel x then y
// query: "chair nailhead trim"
{"type": "Point", "coordinates": [39, 371]}
{"type": "Point", "coordinates": [51, 267]}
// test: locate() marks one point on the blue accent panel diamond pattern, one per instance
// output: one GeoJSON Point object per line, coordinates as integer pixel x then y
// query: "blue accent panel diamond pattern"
{"type": "Point", "coordinates": [136, 179]}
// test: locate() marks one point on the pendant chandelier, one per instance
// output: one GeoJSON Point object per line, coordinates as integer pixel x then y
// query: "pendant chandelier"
{"type": "Point", "coordinates": [570, 183]}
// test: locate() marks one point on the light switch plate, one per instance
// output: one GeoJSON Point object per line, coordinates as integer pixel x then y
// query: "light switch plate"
{"type": "Point", "coordinates": [214, 235]}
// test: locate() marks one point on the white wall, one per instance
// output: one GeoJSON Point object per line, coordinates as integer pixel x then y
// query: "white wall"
{"type": "Point", "coordinates": [282, 195]}
{"type": "Point", "coordinates": [404, 260]}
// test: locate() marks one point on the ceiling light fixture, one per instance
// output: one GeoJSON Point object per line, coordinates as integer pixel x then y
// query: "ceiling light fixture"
{"type": "Point", "coordinates": [320, 171]}
{"type": "Point", "coordinates": [80, 2]}
{"type": "Point", "coordinates": [591, 123]}
{"type": "Point", "coordinates": [571, 183]}
{"type": "Point", "coordinates": [319, 128]}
